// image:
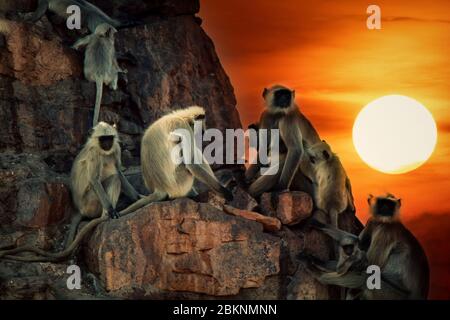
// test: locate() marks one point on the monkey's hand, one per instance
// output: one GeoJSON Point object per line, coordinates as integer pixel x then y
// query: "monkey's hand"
{"type": "Point", "coordinates": [113, 214]}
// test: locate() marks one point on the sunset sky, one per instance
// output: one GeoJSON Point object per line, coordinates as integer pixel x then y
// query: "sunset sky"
{"type": "Point", "coordinates": [324, 51]}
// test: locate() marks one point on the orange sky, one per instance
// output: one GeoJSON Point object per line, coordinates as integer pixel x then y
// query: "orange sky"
{"type": "Point", "coordinates": [336, 65]}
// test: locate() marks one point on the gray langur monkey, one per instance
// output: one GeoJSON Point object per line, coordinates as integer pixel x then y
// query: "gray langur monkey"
{"type": "Point", "coordinates": [100, 61]}
{"type": "Point", "coordinates": [392, 247]}
{"type": "Point", "coordinates": [295, 130]}
{"type": "Point", "coordinates": [332, 192]}
{"type": "Point", "coordinates": [350, 269]}
{"type": "Point", "coordinates": [162, 175]}
{"type": "Point", "coordinates": [96, 183]}
{"type": "Point", "coordinates": [91, 16]}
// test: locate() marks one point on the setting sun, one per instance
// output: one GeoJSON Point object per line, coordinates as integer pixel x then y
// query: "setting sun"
{"type": "Point", "coordinates": [394, 134]}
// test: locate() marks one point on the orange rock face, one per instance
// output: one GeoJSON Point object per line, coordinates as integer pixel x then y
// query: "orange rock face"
{"type": "Point", "coordinates": [31, 59]}
{"type": "Point", "coordinates": [182, 246]}
{"type": "Point", "coordinates": [269, 223]}
{"type": "Point", "coordinates": [290, 207]}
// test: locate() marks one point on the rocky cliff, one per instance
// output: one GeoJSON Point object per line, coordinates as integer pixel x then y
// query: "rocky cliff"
{"type": "Point", "coordinates": [183, 248]}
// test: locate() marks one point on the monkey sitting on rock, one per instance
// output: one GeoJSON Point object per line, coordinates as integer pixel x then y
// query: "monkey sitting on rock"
{"type": "Point", "coordinates": [100, 61]}
{"type": "Point", "coordinates": [96, 183]}
{"type": "Point", "coordinates": [332, 192]}
{"type": "Point", "coordinates": [165, 177]}
{"type": "Point", "coordinates": [295, 130]}
{"type": "Point", "coordinates": [386, 243]}
{"type": "Point", "coordinates": [392, 247]}
{"type": "Point", "coordinates": [349, 271]}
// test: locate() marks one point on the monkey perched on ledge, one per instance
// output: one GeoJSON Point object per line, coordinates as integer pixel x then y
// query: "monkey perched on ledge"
{"type": "Point", "coordinates": [394, 248]}
{"type": "Point", "coordinates": [295, 130]}
{"type": "Point", "coordinates": [332, 192]}
{"type": "Point", "coordinates": [161, 174]}
{"type": "Point", "coordinates": [386, 243]}
{"type": "Point", "coordinates": [350, 269]}
{"type": "Point", "coordinates": [96, 183]}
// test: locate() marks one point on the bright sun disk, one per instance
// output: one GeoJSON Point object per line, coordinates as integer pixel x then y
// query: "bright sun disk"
{"type": "Point", "coordinates": [394, 134]}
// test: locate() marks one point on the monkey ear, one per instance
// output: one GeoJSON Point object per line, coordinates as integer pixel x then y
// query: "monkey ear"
{"type": "Point", "coordinates": [293, 94]}
{"type": "Point", "coordinates": [369, 199]}
{"type": "Point", "coordinates": [326, 155]}
{"type": "Point", "coordinates": [399, 203]}
{"type": "Point", "coordinates": [114, 125]}
{"type": "Point", "coordinates": [91, 131]}
{"type": "Point", "coordinates": [265, 92]}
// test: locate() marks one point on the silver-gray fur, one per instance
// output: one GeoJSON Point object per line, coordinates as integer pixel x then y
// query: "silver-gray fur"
{"type": "Point", "coordinates": [295, 132]}
{"type": "Point", "coordinates": [100, 61]}
{"type": "Point", "coordinates": [96, 183]}
{"type": "Point", "coordinates": [162, 175]}
{"type": "Point", "coordinates": [350, 270]}
{"type": "Point", "coordinates": [91, 16]}
{"type": "Point", "coordinates": [331, 193]}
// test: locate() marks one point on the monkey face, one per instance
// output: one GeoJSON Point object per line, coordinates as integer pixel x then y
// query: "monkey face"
{"type": "Point", "coordinates": [348, 249]}
{"type": "Point", "coordinates": [106, 142]}
{"type": "Point", "coordinates": [385, 207]}
{"type": "Point", "coordinates": [319, 152]}
{"type": "Point", "coordinates": [282, 98]}
{"type": "Point", "coordinates": [279, 98]}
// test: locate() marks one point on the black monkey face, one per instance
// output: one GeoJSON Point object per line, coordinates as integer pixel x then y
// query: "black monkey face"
{"type": "Point", "coordinates": [385, 207]}
{"type": "Point", "coordinates": [282, 98]}
{"type": "Point", "coordinates": [106, 142]}
{"type": "Point", "coordinates": [348, 249]}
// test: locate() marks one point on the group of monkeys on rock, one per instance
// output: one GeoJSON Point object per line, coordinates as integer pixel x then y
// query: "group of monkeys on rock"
{"type": "Point", "coordinates": [97, 179]}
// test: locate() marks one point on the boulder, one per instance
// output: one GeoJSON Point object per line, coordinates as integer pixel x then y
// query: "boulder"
{"type": "Point", "coordinates": [182, 246]}
{"type": "Point", "coordinates": [212, 198]}
{"type": "Point", "coordinates": [270, 224]}
{"type": "Point", "coordinates": [290, 207]}
{"type": "Point", "coordinates": [243, 200]}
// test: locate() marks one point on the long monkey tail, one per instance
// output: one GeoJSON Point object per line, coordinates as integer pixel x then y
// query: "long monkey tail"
{"type": "Point", "coordinates": [73, 229]}
{"type": "Point", "coordinates": [48, 256]}
{"type": "Point", "coordinates": [155, 196]}
{"type": "Point", "coordinates": [98, 100]}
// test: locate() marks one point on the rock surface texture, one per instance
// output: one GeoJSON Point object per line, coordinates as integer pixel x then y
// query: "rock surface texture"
{"type": "Point", "coordinates": [174, 249]}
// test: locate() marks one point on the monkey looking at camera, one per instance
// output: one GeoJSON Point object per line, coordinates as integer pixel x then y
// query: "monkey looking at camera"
{"type": "Point", "coordinates": [162, 175]}
{"type": "Point", "coordinates": [91, 16]}
{"type": "Point", "coordinates": [350, 270]}
{"type": "Point", "coordinates": [332, 187]}
{"type": "Point", "coordinates": [96, 183]}
{"type": "Point", "coordinates": [100, 61]}
{"type": "Point", "coordinates": [392, 247]}
{"type": "Point", "coordinates": [295, 131]}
